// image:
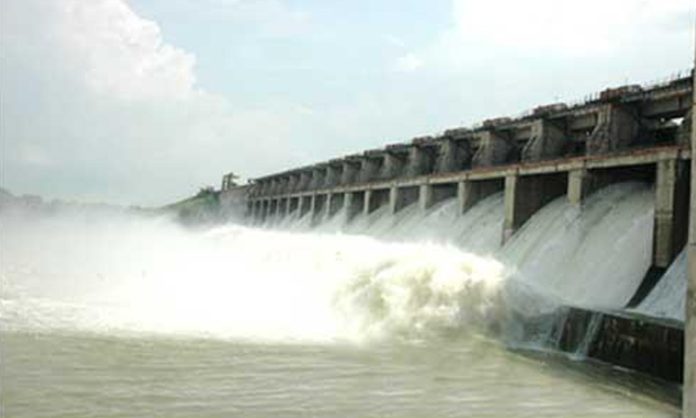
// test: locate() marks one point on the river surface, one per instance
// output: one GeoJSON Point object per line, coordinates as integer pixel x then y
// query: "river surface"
{"type": "Point", "coordinates": [83, 375]}
{"type": "Point", "coordinates": [109, 314]}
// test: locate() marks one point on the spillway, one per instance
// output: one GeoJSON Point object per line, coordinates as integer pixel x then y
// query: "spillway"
{"type": "Point", "coordinates": [595, 257]}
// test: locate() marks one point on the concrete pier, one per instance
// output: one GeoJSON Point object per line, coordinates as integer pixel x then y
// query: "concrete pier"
{"type": "Point", "coordinates": [494, 148]}
{"type": "Point", "coordinates": [689, 386]}
{"type": "Point", "coordinates": [524, 195]}
{"type": "Point", "coordinates": [400, 197]}
{"type": "Point", "coordinates": [430, 194]}
{"type": "Point", "coordinates": [393, 166]}
{"type": "Point", "coordinates": [470, 192]}
{"type": "Point", "coordinates": [454, 153]}
{"type": "Point", "coordinates": [671, 211]}
{"type": "Point", "coordinates": [580, 185]}
{"type": "Point", "coordinates": [369, 167]}
{"type": "Point", "coordinates": [305, 205]}
{"type": "Point", "coordinates": [376, 198]}
{"type": "Point", "coordinates": [351, 171]}
{"type": "Point", "coordinates": [617, 127]}
{"type": "Point", "coordinates": [354, 203]}
{"type": "Point", "coordinates": [335, 203]}
{"type": "Point", "coordinates": [547, 140]}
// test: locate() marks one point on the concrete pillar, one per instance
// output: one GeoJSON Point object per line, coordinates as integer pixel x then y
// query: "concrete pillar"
{"type": "Point", "coordinates": [293, 180]}
{"type": "Point", "coordinates": [293, 204]}
{"type": "Point", "coordinates": [689, 386]}
{"type": "Point", "coordinates": [367, 202]}
{"type": "Point", "coordinates": [318, 205]}
{"type": "Point", "coordinates": [254, 209]}
{"type": "Point", "coordinates": [334, 203]}
{"type": "Point", "coordinates": [471, 192]}
{"type": "Point", "coordinates": [524, 195]}
{"type": "Point", "coordinates": [400, 197]}
{"type": "Point", "coordinates": [313, 205]}
{"type": "Point", "coordinates": [494, 148]}
{"type": "Point", "coordinates": [305, 179]}
{"type": "Point", "coordinates": [670, 211]}
{"type": "Point", "coordinates": [393, 199]}
{"type": "Point", "coordinates": [275, 183]}
{"type": "Point", "coordinates": [374, 199]}
{"type": "Point", "coordinates": [265, 207]}
{"type": "Point", "coordinates": [350, 172]}
{"type": "Point", "coordinates": [369, 167]}
{"type": "Point", "coordinates": [305, 205]}
{"type": "Point", "coordinates": [333, 175]}
{"type": "Point", "coordinates": [453, 155]}
{"type": "Point", "coordinates": [547, 141]}
{"type": "Point", "coordinates": [284, 183]}
{"type": "Point", "coordinates": [283, 206]}
{"type": "Point", "coordinates": [425, 196]}
{"type": "Point", "coordinates": [318, 178]}
{"type": "Point", "coordinates": [393, 165]}
{"type": "Point", "coordinates": [354, 203]}
{"type": "Point", "coordinates": [579, 186]}
{"type": "Point", "coordinates": [418, 161]}
{"type": "Point", "coordinates": [260, 187]}
{"type": "Point", "coordinates": [258, 216]}
{"type": "Point", "coordinates": [617, 127]}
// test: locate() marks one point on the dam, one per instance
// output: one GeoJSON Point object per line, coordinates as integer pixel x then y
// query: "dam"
{"type": "Point", "coordinates": [554, 155]}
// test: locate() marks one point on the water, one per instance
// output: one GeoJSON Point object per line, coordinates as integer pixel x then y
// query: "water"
{"type": "Point", "coordinates": [107, 314]}
{"type": "Point", "coordinates": [668, 298]}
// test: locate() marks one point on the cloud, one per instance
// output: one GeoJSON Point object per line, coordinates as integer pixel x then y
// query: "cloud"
{"type": "Point", "coordinates": [98, 106]}
{"type": "Point", "coordinates": [569, 27]}
{"type": "Point", "coordinates": [394, 41]}
{"type": "Point", "coordinates": [124, 56]}
{"type": "Point", "coordinates": [408, 63]}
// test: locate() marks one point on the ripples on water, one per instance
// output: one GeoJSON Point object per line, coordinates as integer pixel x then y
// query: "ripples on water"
{"type": "Point", "coordinates": [107, 315]}
{"type": "Point", "coordinates": [80, 375]}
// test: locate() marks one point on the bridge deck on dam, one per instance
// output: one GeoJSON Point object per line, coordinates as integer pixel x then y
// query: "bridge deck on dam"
{"type": "Point", "coordinates": [622, 159]}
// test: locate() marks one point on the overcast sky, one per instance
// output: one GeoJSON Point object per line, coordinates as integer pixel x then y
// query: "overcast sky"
{"type": "Point", "coordinates": [145, 101]}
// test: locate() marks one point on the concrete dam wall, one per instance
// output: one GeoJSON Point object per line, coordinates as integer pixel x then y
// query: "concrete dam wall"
{"type": "Point", "coordinates": [627, 133]}
{"type": "Point", "coordinates": [515, 175]}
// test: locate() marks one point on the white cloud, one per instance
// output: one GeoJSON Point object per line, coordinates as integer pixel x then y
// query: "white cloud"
{"type": "Point", "coordinates": [409, 62]}
{"type": "Point", "coordinates": [395, 41]}
{"type": "Point", "coordinates": [123, 55]}
{"type": "Point", "coordinates": [97, 105]}
{"type": "Point", "coordinates": [571, 27]}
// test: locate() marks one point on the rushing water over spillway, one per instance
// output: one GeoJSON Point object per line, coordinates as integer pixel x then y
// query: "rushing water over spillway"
{"type": "Point", "coordinates": [380, 315]}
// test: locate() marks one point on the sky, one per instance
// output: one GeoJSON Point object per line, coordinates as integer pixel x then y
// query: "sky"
{"type": "Point", "coordinates": [145, 101]}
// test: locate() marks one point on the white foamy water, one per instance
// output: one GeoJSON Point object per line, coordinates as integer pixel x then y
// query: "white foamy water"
{"type": "Point", "coordinates": [592, 257]}
{"type": "Point", "coordinates": [134, 275]}
{"type": "Point", "coordinates": [668, 298]}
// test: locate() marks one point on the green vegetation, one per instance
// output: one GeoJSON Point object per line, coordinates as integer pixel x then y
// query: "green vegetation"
{"type": "Point", "coordinates": [203, 207]}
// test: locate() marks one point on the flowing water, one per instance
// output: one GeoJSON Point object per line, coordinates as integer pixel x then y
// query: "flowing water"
{"type": "Point", "coordinates": [118, 315]}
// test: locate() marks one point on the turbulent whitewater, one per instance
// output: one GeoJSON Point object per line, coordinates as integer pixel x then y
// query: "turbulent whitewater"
{"type": "Point", "coordinates": [375, 275]}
